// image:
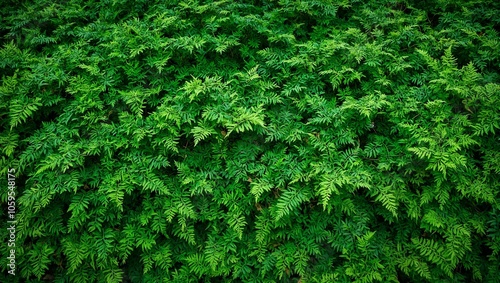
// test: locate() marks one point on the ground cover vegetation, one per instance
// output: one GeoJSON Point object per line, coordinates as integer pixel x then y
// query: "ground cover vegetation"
{"type": "Point", "coordinates": [251, 141]}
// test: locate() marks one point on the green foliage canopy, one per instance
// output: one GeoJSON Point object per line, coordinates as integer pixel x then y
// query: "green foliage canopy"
{"type": "Point", "coordinates": [252, 141]}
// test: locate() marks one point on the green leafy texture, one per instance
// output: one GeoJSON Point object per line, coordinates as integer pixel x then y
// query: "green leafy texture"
{"type": "Point", "coordinates": [251, 141]}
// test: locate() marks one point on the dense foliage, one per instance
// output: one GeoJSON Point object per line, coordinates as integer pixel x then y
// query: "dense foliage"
{"type": "Point", "coordinates": [252, 141]}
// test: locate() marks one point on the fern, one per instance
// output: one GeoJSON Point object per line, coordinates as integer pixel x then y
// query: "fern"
{"type": "Point", "coordinates": [293, 141]}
